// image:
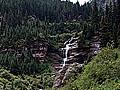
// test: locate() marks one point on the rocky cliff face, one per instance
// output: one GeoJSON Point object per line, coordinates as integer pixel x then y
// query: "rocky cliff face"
{"type": "Point", "coordinates": [39, 49]}
{"type": "Point", "coordinates": [65, 74]}
{"type": "Point", "coordinates": [75, 55]}
{"type": "Point", "coordinates": [73, 60]}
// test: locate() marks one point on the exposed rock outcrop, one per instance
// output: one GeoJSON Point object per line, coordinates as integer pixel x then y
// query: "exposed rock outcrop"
{"type": "Point", "coordinates": [75, 56]}
{"type": "Point", "coordinates": [95, 45]}
{"type": "Point", "coordinates": [39, 49]}
{"type": "Point", "coordinates": [66, 73]}
{"type": "Point", "coordinates": [73, 60]}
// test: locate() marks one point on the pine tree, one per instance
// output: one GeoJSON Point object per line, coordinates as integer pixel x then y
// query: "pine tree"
{"type": "Point", "coordinates": [104, 31]}
{"type": "Point", "coordinates": [118, 12]}
{"type": "Point", "coordinates": [116, 23]}
{"type": "Point", "coordinates": [95, 17]}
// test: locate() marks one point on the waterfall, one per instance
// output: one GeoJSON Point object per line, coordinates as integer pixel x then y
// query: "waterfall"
{"type": "Point", "coordinates": [68, 45]}
{"type": "Point", "coordinates": [66, 54]}
{"type": "Point", "coordinates": [70, 52]}
{"type": "Point", "coordinates": [74, 58]}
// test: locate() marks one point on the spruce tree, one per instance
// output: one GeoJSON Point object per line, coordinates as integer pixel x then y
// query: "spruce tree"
{"type": "Point", "coordinates": [104, 31]}
{"type": "Point", "coordinates": [95, 17]}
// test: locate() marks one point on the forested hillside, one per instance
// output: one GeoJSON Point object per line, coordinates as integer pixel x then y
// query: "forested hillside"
{"type": "Point", "coordinates": [55, 44]}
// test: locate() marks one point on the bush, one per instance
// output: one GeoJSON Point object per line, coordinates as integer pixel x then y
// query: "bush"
{"type": "Point", "coordinates": [9, 81]}
{"type": "Point", "coordinates": [108, 85]}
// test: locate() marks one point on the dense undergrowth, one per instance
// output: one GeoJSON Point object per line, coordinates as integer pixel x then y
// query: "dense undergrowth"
{"type": "Point", "coordinates": [24, 73]}
{"type": "Point", "coordinates": [24, 64]}
{"type": "Point", "coordinates": [9, 81]}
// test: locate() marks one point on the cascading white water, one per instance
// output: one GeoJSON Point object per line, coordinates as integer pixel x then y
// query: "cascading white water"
{"type": "Point", "coordinates": [69, 51]}
{"type": "Point", "coordinates": [66, 54]}
{"type": "Point", "coordinates": [68, 45]}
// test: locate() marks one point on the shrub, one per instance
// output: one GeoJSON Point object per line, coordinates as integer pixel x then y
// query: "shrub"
{"type": "Point", "coordinates": [9, 81]}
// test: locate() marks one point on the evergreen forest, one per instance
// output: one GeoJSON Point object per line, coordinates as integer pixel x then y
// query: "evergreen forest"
{"type": "Point", "coordinates": [59, 45]}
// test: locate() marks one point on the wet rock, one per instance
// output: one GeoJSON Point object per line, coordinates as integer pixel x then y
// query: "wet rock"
{"type": "Point", "coordinates": [72, 71]}
{"type": "Point", "coordinates": [55, 57]}
{"type": "Point", "coordinates": [66, 73]}
{"type": "Point", "coordinates": [59, 76]}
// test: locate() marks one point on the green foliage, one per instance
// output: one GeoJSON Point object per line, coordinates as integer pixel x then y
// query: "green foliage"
{"type": "Point", "coordinates": [46, 10]}
{"type": "Point", "coordinates": [9, 81]}
{"type": "Point", "coordinates": [24, 64]}
{"type": "Point", "coordinates": [108, 85]}
{"type": "Point", "coordinates": [55, 21]}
